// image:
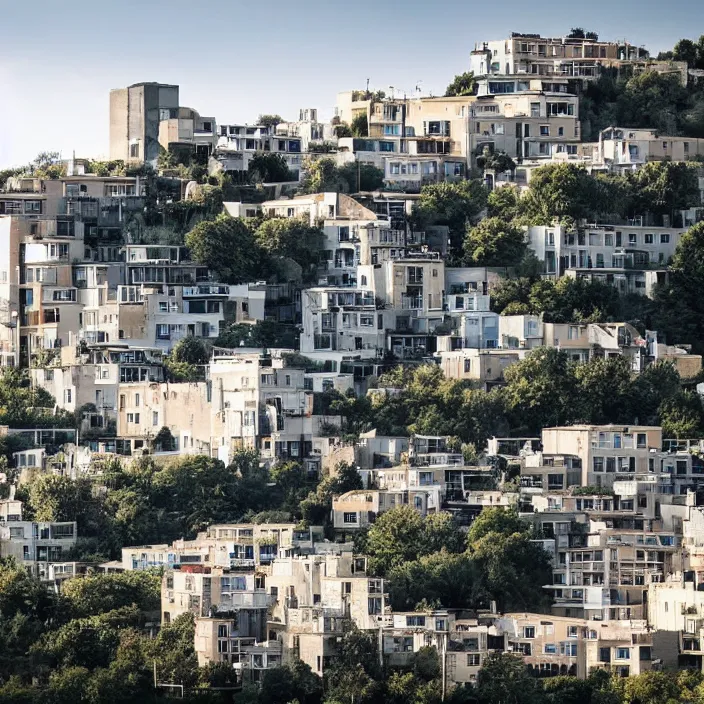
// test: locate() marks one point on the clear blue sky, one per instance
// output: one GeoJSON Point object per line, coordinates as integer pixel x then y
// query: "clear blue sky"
{"type": "Point", "coordinates": [234, 60]}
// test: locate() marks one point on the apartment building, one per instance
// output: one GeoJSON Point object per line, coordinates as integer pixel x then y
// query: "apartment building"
{"type": "Point", "coordinates": [633, 258]}
{"type": "Point", "coordinates": [624, 148]}
{"type": "Point", "coordinates": [309, 128]}
{"type": "Point", "coordinates": [533, 55]}
{"type": "Point", "coordinates": [188, 131]}
{"type": "Point", "coordinates": [238, 144]}
{"type": "Point", "coordinates": [136, 113]}
{"type": "Point", "coordinates": [34, 544]}
{"type": "Point", "coordinates": [525, 119]}
{"type": "Point", "coordinates": [415, 141]}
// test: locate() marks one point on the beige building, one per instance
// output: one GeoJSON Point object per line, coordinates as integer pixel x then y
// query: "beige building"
{"type": "Point", "coordinates": [574, 58]}
{"type": "Point", "coordinates": [136, 113]}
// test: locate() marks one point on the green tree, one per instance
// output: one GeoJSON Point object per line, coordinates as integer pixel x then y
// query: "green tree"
{"type": "Point", "coordinates": [361, 177]}
{"type": "Point", "coordinates": [453, 204]}
{"type": "Point", "coordinates": [563, 192]}
{"type": "Point", "coordinates": [270, 120]}
{"type": "Point", "coordinates": [440, 579]}
{"type": "Point", "coordinates": [681, 415]}
{"type": "Point", "coordinates": [680, 309]}
{"type": "Point", "coordinates": [323, 176]}
{"type": "Point", "coordinates": [263, 333]}
{"type": "Point", "coordinates": [226, 246]}
{"type": "Point", "coordinates": [504, 679]}
{"type": "Point", "coordinates": [505, 203]}
{"type": "Point", "coordinates": [401, 534]}
{"type": "Point", "coordinates": [652, 99]}
{"type": "Point", "coordinates": [540, 389]}
{"type": "Point", "coordinates": [604, 389]}
{"type": "Point", "coordinates": [99, 593]}
{"type": "Point", "coordinates": [268, 167]}
{"type": "Point", "coordinates": [292, 238]}
{"type": "Point", "coordinates": [360, 125]}
{"type": "Point", "coordinates": [191, 350]}
{"type": "Point", "coordinates": [663, 187]}
{"type": "Point", "coordinates": [294, 681]}
{"type": "Point", "coordinates": [494, 242]}
{"type": "Point", "coordinates": [462, 84]}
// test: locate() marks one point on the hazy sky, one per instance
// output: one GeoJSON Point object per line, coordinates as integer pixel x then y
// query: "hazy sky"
{"type": "Point", "coordinates": [235, 60]}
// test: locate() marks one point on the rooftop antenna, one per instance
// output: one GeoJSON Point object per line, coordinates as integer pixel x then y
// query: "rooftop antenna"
{"type": "Point", "coordinates": [367, 85]}
{"type": "Point", "coordinates": [418, 89]}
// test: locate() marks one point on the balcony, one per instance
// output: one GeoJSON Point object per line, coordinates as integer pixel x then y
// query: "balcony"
{"type": "Point", "coordinates": [411, 302]}
{"type": "Point", "coordinates": [206, 290]}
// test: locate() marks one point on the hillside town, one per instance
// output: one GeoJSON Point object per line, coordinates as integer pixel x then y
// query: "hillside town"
{"type": "Point", "coordinates": [401, 404]}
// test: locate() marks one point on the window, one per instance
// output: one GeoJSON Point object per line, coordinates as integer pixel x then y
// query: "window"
{"type": "Point", "coordinates": [544, 130]}
{"type": "Point", "coordinates": [572, 631]}
{"type": "Point", "coordinates": [598, 464]}
{"type": "Point", "coordinates": [632, 238]}
{"type": "Point", "coordinates": [550, 649]}
{"type": "Point", "coordinates": [162, 332]}
{"type": "Point", "coordinates": [415, 620]}
{"type": "Point", "coordinates": [560, 131]}
{"type": "Point", "coordinates": [134, 151]}
{"type": "Point", "coordinates": [648, 238]}
{"type": "Point", "coordinates": [67, 395]}
{"type": "Point", "coordinates": [349, 518]}
{"type": "Point", "coordinates": [623, 653]}
{"type": "Point", "coordinates": [529, 631]}
{"type": "Point", "coordinates": [155, 418]}
{"type": "Point", "coordinates": [664, 239]}
{"type": "Point", "coordinates": [474, 659]}
{"type": "Point", "coordinates": [467, 366]}
{"type": "Point", "coordinates": [163, 307]}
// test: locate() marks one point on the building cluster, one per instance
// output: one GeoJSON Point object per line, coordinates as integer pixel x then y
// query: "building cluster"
{"type": "Point", "coordinates": [93, 313]}
{"type": "Point", "coordinates": [619, 511]}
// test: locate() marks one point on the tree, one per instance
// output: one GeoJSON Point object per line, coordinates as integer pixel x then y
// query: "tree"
{"type": "Point", "coordinates": [496, 520]}
{"type": "Point", "coordinates": [343, 130]}
{"type": "Point", "coordinates": [505, 203]}
{"type": "Point", "coordinates": [462, 84]}
{"type": "Point", "coordinates": [505, 679]}
{"type": "Point", "coordinates": [263, 333]}
{"type": "Point", "coordinates": [686, 50]}
{"type": "Point", "coordinates": [360, 125]}
{"type": "Point", "coordinates": [294, 681]}
{"type": "Point", "coordinates": [563, 192]}
{"type": "Point", "coordinates": [269, 167]}
{"type": "Point", "coordinates": [269, 120]}
{"type": "Point", "coordinates": [440, 579]}
{"type": "Point", "coordinates": [451, 204]}
{"type": "Point", "coordinates": [681, 416]}
{"type": "Point", "coordinates": [292, 238]}
{"type": "Point", "coordinates": [191, 350]}
{"type": "Point", "coordinates": [226, 246]}
{"type": "Point", "coordinates": [401, 535]}
{"type": "Point", "coordinates": [514, 570]}
{"type": "Point", "coordinates": [680, 310]}
{"type": "Point", "coordinates": [54, 497]}
{"type": "Point", "coordinates": [361, 177]}
{"type": "Point", "coordinates": [494, 242]}
{"type": "Point", "coordinates": [322, 176]}
{"type": "Point", "coordinates": [663, 187]}
{"type": "Point", "coordinates": [605, 386]}
{"type": "Point", "coordinates": [95, 594]}
{"type": "Point", "coordinates": [652, 99]}
{"type": "Point", "coordinates": [48, 165]}
{"type": "Point", "coordinates": [500, 162]}
{"type": "Point", "coordinates": [540, 389]}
